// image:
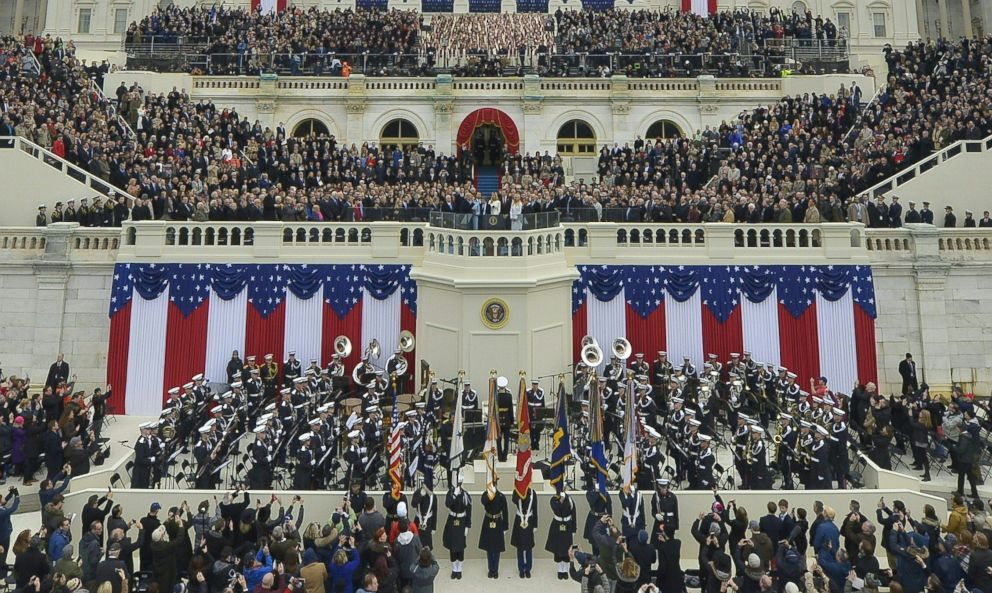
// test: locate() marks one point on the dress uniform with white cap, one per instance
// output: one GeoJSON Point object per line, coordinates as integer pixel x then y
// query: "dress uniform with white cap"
{"type": "Point", "coordinates": [356, 455]}
{"type": "Point", "coordinates": [838, 448]}
{"type": "Point", "coordinates": [522, 534]}
{"type": "Point", "coordinates": [661, 374]}
{"type": "Point", "coordinates": [664, 509]}
{"type": "Point", "coordinates": [470, 397]}
{"type": "Point", "coordinates": [640, 366]}
{"type": "Point", "coordinates": [820, 471]}
{"type": "Point", "coordinates": [205, 454]}
{"type": "Point", "coordinates": [535, 402]}
{"type": "Point", "coordinates": [260, 475]}
{"type": "Point", "coordinates": [704, 461]}
{"type": "Point", "coordinates": [143, 457]}
{"type": "Point", "coordinates": [270, 376]}
{"type": "Point", "coordinates": [291, 369]}
{"type": "Point", "coordinates": [306, 463]}
{"type": "Point", "coordinates": [784, 459]}
{"type": "Point", "coordinates": [631, 511]}
{"type": "Point", "coordinates": [757, 466]}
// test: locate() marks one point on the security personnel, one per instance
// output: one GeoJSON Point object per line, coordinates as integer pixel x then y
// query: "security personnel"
{"type": "Point", "coordinates": [504, 416]}
{"type": "Point", "coordinates": [524, 525]}
{"type": "Point", "coordinates": [494, 525]}
{"type": "Point", "coordinates": [838, 448]}
{"type": "Point", "coordinates": [269, 373]}
{"type": "Point", "coordinates": [820, 471]}
{"type": "Point", "coordinates": [631, 511]}
{"type": "Point", "coordinates": [306, 462]}
{"type": "Point", "coordinates": [143, 458]}
{"type": "Point", "coordinates": [456, 526]}
{"type": "Point", "coordinates": [535, 402]}
{"type": "Point", "coordinates": [470, 397]}
{"type": "Point", "coordinates": [234, 367]}
{"type": "Point", "coordinates": [560, 531]}
{"type": "Point", "coordinates": [260, 476]}
{"type": "Point", "coordinates": [291, 369]}
{"type": "Point", "coordinates": [665, 509]}
{"type": "Point", "coordinates": [784, 459]}
{"type": "Point", "coordinates": [703, 478]}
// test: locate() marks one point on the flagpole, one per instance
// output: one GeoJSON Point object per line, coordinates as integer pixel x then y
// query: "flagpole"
{"type": "Point", "coordinates": [457, 445]}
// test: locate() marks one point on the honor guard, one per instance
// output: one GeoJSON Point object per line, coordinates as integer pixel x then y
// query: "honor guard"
{"type": "Point", "coordinates": [260, 475]}
{"type": "Point", "coordinates": [561, 531]}
{"type": "Point", "coordinates": [144, 458]}
{"type": "Point", "coordinates": [424, 503]}
{"type": "Point", "coordinates": [291, 369]}
{"type": "Point", "coordinates": [495, 522]}
{"type": "Point", "coordinates": [787, 437]}
{"type": "Point", "coordinates": [470, 397]}
{"type": "Point", "coordinates": [456, 526]}
{"type": "Point", "coordinates": [838, 448]}
{"type": "Point", "coordinates": [820, 470]}
{"type": "Point", "coordinates": [504, 417]}
{"type": "Point", "coordinates": [664, 509]}
{"type": "Point", "coordinates": [704, 464]}
{"type": "Point", "coordinates": [535, 402]}
{"type": "Point", "coordinates": [640, 366]}
{"type": "Point", "coordinates": [234, 367]}
{"type": "Point", "coordinates": [631, 511]}
{"type": "Point", "coordinates": [522, 534]}
{"type": "Point", "coordinates": [599, 505]}
{"type": "Point", "coordinates": [270, 376]}
{"type": "Point", "coordinates": [306, 463]}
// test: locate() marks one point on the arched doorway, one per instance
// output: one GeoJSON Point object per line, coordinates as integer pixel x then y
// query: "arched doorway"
{"type": "Point", "coordinates": [663, 129]}
{"type": "Point", "coordinates": [487, 133]}
{"type": "Point", "coordinates": [576, 137]}
{"type": "Point", "coordinates": [399, 133]}
{"type": "Point", "coordinates": [310, 128]}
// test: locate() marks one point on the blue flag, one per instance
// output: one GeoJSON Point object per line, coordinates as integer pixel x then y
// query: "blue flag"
{"type": "Point", "coordinates": [561, 450]}
{"type": "Point", "coordinates": [598, 453]}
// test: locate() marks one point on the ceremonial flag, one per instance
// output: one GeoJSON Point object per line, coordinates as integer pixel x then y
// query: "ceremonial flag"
{"type": "Point", "coordinates": [169, 322]}
{"type": "Point", "coordinates": [561, 449]}
{"type": "Point", "coordinates": [598, 453]}
{"type": "Point", "coordinates": [492, 437]}
{"type": "Point", "coordinates": [814, 320]}
{"type": "Point", "coordinates": [395, 453]}
{"type": "Point", "coordinates": [457, 441]}
{"type": "Point", "coordinates": [521, 482]}
{"type": "Point", "coordinates": [628, 472]}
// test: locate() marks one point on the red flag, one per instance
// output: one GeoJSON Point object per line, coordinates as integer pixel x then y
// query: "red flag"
{"type": "Point", "coordinates": [521, 482]}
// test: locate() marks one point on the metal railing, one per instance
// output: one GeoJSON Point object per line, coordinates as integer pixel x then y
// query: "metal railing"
{"type": "Point", "coordinates": [94, 87]}
{"type": "Point", "coordinates": [493, 222]}
{"type": "Point", "coordinates": [809, 50]}
{"type": "Point", "coordinates": [49, 158]}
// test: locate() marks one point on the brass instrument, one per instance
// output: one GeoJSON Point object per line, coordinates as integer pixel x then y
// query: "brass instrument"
{"type": "Point", "coordinates": [407, 341]}
{"type": "Point", "coordinates": [621, 348]}
{"type": "Point", "coordinates": [373, 350]}
{"type": "Point", "coordinates": [592, 354]}
{"type": "Point", "coordinates": [342, 346]}
{"type": "Point", "coordinates": [777, 439]}
{"type": "Point", "coordinates": [587, 340]}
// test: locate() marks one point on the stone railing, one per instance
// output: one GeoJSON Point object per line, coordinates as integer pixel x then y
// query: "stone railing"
{"type": "Point", "coordinates": [916, 241]}
{"type": "Point", "coordinates": [495, 244]}
{"type": "Point", "coordinates": [64, 240]}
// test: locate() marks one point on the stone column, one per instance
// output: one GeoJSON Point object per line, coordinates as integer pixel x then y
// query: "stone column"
{"type": "Point", "coordinates": [931, 279]}
{"type": "Point", "coordinates": [966, 15]}
{"type": "Point", "coordinates": [444, 132]}
{"type": "Point", "coordinates": [355, 105]}
{"type": "Point", "coordinates": [532, 104]}
{"type": "Point", "coordinates": [18, 17]}
{"type": "Point", "coordinates": [945, 29]}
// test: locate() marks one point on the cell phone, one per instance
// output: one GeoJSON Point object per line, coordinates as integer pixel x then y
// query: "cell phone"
{"type": "Point", "coordinates": [72, 518]}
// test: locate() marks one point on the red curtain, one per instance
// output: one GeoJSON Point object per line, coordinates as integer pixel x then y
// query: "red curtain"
{"type": "Point", "coordinates": [722, 338]}
{"type": "Point", "coordinates": [120, 340]}
{"type": "Point", "coordinates": [646, 335]}
{"type": "Point", "coordinates": [579, 326]}
{"type": "Point", "coordinates": [864, 338]}
{"type": "Point", "coordinates": [408, 322]}
{"type": "Point", "coordinates": [265, 335]}
{"type": "Point", "coordinates": [185, 345]}
{"type": "Point", "coordinates": [351, 326]}
{"type": "Point", "coordinates": [489, 115]}
{"type": "Point", "coordinates": [799, 344]}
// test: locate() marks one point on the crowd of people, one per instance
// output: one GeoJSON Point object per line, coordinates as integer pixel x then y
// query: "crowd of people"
{"type": "Point", "coordinates": [643, 43]}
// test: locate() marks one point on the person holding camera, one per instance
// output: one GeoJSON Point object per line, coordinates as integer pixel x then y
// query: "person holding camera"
{"type": "Point", "coordinates": [589, 573]}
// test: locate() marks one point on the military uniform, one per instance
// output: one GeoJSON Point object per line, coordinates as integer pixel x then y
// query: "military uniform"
{"type": "Point", "coordinates": [494, 525]}
{"type": "Point", "coordinates": [524, 524]}
{"type": "Point", "coordinates": [260, 476]}
{"type": "Point", "coordinates": [705, 460]}
{"type": "Point", "coordinates": [665, 510]}
{"type": "Point", "coordinates": [291, 370]}
{"type": "Point", "coordinates": [456, 526]}
{"type": "Point", "coordinates": [561, 529]}
{"type": "Point", "coordinates": [470, 398]}
{"type": "Point", "coordinates": [269, 374]}
{"type": "Point", "coordinates": [820, 470]}
{"type": "Point", "coordinates": [425, 504]}
{"type": "Point", "coordinates": [535, 402]}
{"type": "Point", "coordinates": [631, 513]}
{"type": "Point", "coordinates": [306, 463]}
{"type": "Point", "coordinates": [143, 461]}
{"type": "Point", "coordinates": [203, 452]}
{"type": "Point", "coordinates": [504, 415]}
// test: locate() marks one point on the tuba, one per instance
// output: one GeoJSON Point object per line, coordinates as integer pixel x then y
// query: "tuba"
{"type": "Point", "coordinates": [407, 341]}
{"type": "Point", "coordinates": [621, 348]}
{"type": "Point", "coordinates": [342, 346]}
{"type": "Point", "coordinates": [592, 354]}
{"type": "Point", "coordinates": [373, 350]}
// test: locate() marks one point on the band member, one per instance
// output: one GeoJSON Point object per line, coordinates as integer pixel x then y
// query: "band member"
{"type": "Point", "coordinates": [505, 417]}
{"type": "Point", "coordinates": [820, 474]}
{"type": "Point", "coordinates": [788, 437]}
{"type": "Point", "coordinates": [742, 436]}
{"type": "Point", "coordinates": [704, 465]}
{"type": "Point", "coordinates": [356, 456]}
{"type": "Point", "coordinates": [535, 402]}
{"type": "Point", "coordinates": [804, 450]}
{"type": "Point", "coordinates": [424, 502]}
{"type": "Point", "coordinates": [291, 369]}
{"type": "Point", "coordinates": [524, 524]}
{"type": "Point", "coordinates": [661, 374]}
{"type": "Point", "coordinates": [335, 370]}
{"type": "Point", "coordinates": [269, 373]}
{"type": "Point", "coordinates": [306, 463]}
{"type": "Point", "coordinates": [494, 525]}
{"type": "Point", "coordinates": [757, 466]}
{"type": "Point", "coordinates": [645, 406]}
{"type": "Point", "coordinates": [249, 365]}
{"type": "Point", "coordinates": [143, 457]}
{"type": "Point", "coordinates": [560, 531]}
{"type": "Point", "coordinates": [640, 366]}
{"type": "Point", "coordinates": [260, 475]}
{"type": "Point", "coordinates": [715, 365]}
{"type": "Point", "coordinates": [205, 454]}
{"type": "Point", "coordinates": [651, 460]}
{"type": "Point", "coordinates": [631, 512]}
{"type": "Point", "coordinates": [664, 509]}
{"type": "Point", "coordinates": [456, 526]}
{"type": "Point", "coordinates": [838, 449]}
{"type": "Point", "coordinates": [470, 397]}
{"type": "Point", "coordinates": [394, 365]}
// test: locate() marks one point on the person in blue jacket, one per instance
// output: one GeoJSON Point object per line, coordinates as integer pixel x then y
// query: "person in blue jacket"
{"type": "Point", "coordinates": [8, 506]}
{"type": "Point", "coordinates": [826, 532]}
{"type": "Point", "coordinates": [910, 550]}
{"type": "Point", "coordinates": [945, 566]}
{"type": "Point", "coordinates": [256, 567]}
{"type": "Point", "coordinates": [343, 566]}
{"type": "Point", "coordinates": [835, 565]}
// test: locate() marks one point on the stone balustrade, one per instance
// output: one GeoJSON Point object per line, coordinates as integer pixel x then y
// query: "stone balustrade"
{"type": "Point", "coordinates": [58, 241]}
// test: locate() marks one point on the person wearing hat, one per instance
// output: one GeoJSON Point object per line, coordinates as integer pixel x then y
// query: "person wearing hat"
{"type": "Point", "coordinates": [664, 509]}
{"type": "Point", "coordinates": [456, 526]}
{"type": "Point", "coordinates": [356, 455]}
{"type": "Point", "coordinates": [950, 220]}
{"type": "Point", "coordinates": [524, 525]}
{"type": "Point", "coordinates": [758, 476]}
{"type": "Point", "coordinates": [561, 530]}
{"type": "Point", "coordinates": [505, 417]}
{"type": "Point", "coordinates": [784, 450]}
{"type": "Point", "coordinates": [70, 214]}
{"type": "Point", "coordinates": [535, 404]}
{"type": "Point", "coordinates": [234, 369]}
{"type": "Point", "coordinates": [661, 374]}
{"type": "Point", "coordinates": [703, 473]}
{"type": "Point", "coordinates": [41, 219]}
{"type": "Point", "coordinates": [651, 460]}
{"type": "Point", "coordinates": [269, 373]}
{"type": "Point", "coordinates": [306, 464]}
{"type": "Point", "coordinates": [291, 369]}
{"type": "Point", "coordinates": [838, 447]}
{"type": "Point", "coordinates": [820, 471]}
{"type": "Point", "coordinates": [470, 398]}
{"type": "Point", "coordinates": [640, 366]}
{"type": "Point", "coordinates": [144, 458]}
{"type": "Point", "coordinates": [395, 364]}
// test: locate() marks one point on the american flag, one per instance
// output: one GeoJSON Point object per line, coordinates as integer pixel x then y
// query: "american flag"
{"type": "Point", "coordinates": [628, 472]}
{"type": "Point", "coordinates": [815, 320]}
{"type": "Point", "coordinates": [396, 452]}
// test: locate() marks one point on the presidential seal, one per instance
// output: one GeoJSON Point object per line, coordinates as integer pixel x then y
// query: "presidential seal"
{"type": "Point", "coordinates": [495, 313]}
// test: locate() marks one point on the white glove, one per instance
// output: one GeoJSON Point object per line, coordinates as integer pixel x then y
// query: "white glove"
{"type": "Point", "coordinates": [658, 516]}
{"type": "Point", "coordinates": [466, 532]}
{"type": "Point", "coordinates": [458, 490]}
{"type": "Point", "coordinates": [151, 460]}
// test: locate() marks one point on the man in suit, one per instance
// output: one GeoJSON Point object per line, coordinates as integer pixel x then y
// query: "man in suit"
{"type": "Point", "coordinates": [950, 220]}
{"type": "Point", "coordinates": [913, 215]}
{"type": "Point", "coordinates": [895, 213]}
{"type": "Point", "coordinates": [58, 372]}
{"type": "Point", "coordinates": [926, 215]}
{"type": "Point", "coordinates": [986, 220]}
{"type": "Point", "coordinates": [907, 369]}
